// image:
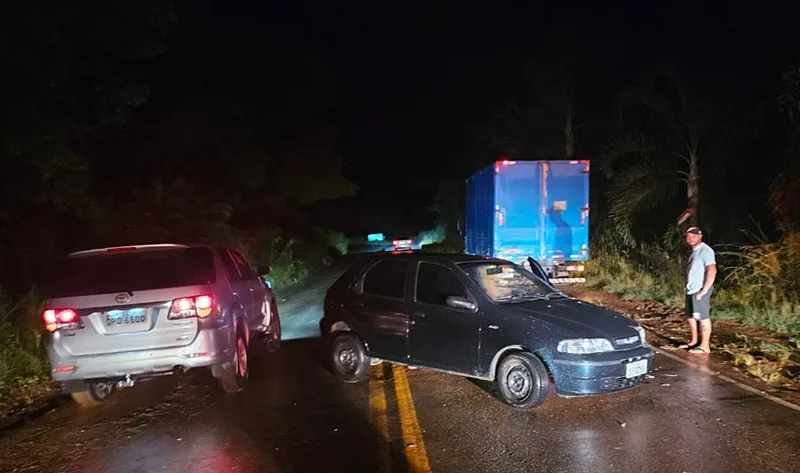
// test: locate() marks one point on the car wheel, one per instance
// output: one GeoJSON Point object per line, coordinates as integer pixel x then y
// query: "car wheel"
{"type": "Point", "coordinates": [349, 360]}
{"type": "Point", "coordinates": [523, 381]}
{"type": "Point", "coordinates": [234, 380]}
{"type": "Point", "coordinates": [273, 340]}
{"type": "Point", "coordinates": [96, 394]}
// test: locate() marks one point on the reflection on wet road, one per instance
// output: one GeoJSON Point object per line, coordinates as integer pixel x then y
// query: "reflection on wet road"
{"type": "Point", "coordinates": [295, 417]}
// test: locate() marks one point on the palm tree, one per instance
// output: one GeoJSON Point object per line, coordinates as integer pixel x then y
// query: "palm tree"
{"type": "Point", "coordinates": [785, 193]}
{"type": "Point", "coordinates": [667, 132]}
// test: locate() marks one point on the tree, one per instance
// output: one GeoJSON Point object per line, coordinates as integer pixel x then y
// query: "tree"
{"type": "Point", "coordinates": [542, 121]}
{"type": "Point", "coordinates": [70, 72]}
{"type": "Point", "coordinates": [666, 131]}
{"type": "Point", "coordinates": [784, 192]}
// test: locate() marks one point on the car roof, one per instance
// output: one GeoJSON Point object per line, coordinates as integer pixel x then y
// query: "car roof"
{"type": "Point", "coordinates": [133, 248]}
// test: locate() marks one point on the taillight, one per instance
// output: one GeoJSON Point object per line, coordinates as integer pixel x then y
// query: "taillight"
{"type": "Point", "coordinates": [55, 319]}
{"type": "Point", "coordinates": [197, 306]}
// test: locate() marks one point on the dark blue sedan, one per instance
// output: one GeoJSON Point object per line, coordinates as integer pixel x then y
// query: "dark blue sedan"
{"type": "Point", "coordinates": [480, 317]}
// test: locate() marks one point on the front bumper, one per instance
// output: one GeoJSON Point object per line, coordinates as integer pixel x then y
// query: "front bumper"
{"type": "Point", "coordinates": [583, 376]}
{"type": "Point", "coordinates": [210, 347]}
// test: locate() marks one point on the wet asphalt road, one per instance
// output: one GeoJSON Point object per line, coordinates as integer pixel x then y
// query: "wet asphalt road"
{"type": "Point", "coordinates": [295, 417]}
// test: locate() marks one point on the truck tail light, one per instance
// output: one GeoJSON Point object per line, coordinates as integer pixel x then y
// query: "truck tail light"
{"type": "Point", "coordinates": [578, 268]}
{"type": "Point", "coordinates": [196, 306]}
{"type": "Point", "coordinates": [55, 319]}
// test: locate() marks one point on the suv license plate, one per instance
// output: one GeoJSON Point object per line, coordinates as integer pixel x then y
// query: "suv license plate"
{"type": "Point", "coordinates": [636, 368]}
{"type": "Point", "coordinates": [116, 318]}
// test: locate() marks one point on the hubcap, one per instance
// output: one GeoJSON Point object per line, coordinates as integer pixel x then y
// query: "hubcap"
{"type": "Point", "coordinates": [347, 358]}
{"type": "Point", "coordinates": [518, 381]}
{"type": "Point", "coordinates": [241, 358]}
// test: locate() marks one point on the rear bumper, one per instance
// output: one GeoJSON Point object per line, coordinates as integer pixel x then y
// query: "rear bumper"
{"type": "Point", "coordinates": [587, 378]}
{"type": "Point", "coordinates": [210, 347]}
{"type": "Point", "coordinates": [567, 280]}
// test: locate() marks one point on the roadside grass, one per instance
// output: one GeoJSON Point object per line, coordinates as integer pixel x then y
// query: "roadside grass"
{"type": "Point", "coordinates": [758, 284]}
{"type": "Point", "coordinates": [24, 369]}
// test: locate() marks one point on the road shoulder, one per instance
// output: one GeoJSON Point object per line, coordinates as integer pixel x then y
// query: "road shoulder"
{"type": "Point", "coordinates": [738, 351]}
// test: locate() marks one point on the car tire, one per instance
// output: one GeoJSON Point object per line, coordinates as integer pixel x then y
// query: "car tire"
{"type": "Point", "coordinates": [94, 396]}
{"type": "Point", "coordinates": [523, 381]}
{"type": "Point", "coordinates": [234, 380]}
{"type": "Point", "coordinates": [273, 340]}
{"type": "Point", "coordinates": [349, 360]}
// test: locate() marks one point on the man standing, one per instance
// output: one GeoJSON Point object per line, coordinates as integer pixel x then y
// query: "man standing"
{"type": "Point", "coordinates": [699, 287]}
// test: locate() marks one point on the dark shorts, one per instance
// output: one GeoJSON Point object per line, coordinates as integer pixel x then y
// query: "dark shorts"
{"type": "Point", "coordinates": [699, 309]}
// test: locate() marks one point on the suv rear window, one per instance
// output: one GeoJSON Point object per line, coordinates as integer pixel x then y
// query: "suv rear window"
{"type": "Point", "coordinates": [135, 271]}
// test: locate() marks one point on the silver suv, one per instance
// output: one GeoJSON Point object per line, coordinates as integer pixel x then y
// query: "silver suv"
{"type": "Point", "coordinates": [123, 314]}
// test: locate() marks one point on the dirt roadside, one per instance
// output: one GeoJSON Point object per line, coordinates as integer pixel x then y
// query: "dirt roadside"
{"type": "Point", "coordinates": [762, 359]}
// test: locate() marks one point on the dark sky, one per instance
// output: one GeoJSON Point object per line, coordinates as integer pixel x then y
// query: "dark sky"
{"type": "Point", "coordinates": [414, 83]}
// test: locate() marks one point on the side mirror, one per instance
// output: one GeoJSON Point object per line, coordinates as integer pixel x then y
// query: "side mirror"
{"type": "Point", "coordinates": [458, 302]}
{"type": "Point", "coordinates": [264, 269]}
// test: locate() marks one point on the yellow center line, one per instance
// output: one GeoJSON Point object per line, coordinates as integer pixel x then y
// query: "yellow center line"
{"type": "Point", "coordinates": [377, 415]}
{"type": "Point", "coordinates": [412, 434]}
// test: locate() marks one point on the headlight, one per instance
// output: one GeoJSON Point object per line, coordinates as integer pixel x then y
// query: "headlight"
{"type": "Point", "coordinates": [585, 345]}
{"type": "Point", "coordinates": [642, 335]}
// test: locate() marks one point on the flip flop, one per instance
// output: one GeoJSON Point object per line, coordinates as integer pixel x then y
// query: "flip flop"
{"type": "Point", "coordinates": [686, 346]}
{"type": "Point", "coordinates": [699, 351]}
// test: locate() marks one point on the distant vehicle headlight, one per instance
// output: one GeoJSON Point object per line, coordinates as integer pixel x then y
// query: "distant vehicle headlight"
{"type": "Point", "coordinates": [585, 345]}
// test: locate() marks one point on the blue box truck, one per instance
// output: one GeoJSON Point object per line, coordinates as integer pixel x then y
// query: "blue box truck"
{"type": "Point", "coordinates": [538, 209]}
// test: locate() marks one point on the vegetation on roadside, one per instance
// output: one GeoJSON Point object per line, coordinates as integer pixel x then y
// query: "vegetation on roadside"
{"type": "Point", "coordinates": [773, 362]}
{"type": "Point", "coordinates": [754, 285]}
{"type": "Point", "coordinates": [759, 279]}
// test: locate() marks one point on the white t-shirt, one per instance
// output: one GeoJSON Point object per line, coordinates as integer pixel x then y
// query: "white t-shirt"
{"type": "Point", "coordinates": [702, 256]}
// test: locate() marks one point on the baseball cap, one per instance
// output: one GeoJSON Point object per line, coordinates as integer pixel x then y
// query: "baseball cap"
{"type": "Point", "coordinates": [694, 230]}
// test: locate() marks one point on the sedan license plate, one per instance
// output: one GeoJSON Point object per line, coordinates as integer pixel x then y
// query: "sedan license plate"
{"type": "Point", "coordinates": [636, 368]}
{"type": "Point", "coordinates": [126, 318]}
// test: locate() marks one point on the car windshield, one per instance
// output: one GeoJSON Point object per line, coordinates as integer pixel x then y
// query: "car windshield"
{"type": "Point", "coordinates": [134, 271]}
{"type": "Point", "coordinates": [507, 282]}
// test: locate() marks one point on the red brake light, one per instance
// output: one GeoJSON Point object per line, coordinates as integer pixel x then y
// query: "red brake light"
{"type": "Point", "coordinates": [56, 318]}
{"type": "Point", "coordinates": [197, 306]}
{"type": "Point", "coordinates": [204, 304]}
{"type": "Point", "coordinates": [67, 316]}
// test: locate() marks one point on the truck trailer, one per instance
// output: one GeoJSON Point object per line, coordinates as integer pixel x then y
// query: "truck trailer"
{"type": "Point", "coordinates": [537, 209]}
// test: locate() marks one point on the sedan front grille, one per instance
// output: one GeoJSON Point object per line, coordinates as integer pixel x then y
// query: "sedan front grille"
{"type": "Point", "coordinates": [627, 342]}
{"type": "Point", "coordinates": [616, 384]}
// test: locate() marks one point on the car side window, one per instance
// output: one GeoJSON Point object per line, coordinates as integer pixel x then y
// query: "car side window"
{"type": "Point", "coordinates": [230, 266]}
{"type": "Point", "coordinates": [244, 267]}
{"type": "Point", "coordinates": [386, 279]}
{"type": "Point", "coordinates": [435, 283]}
